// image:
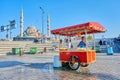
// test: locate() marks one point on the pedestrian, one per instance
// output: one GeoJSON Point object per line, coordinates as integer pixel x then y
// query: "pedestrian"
{"type": "Point", "coordinates": [100, 42]}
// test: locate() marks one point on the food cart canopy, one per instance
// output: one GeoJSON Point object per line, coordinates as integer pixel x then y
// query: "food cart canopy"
{"type": "Point", "coordinates": [89, 27]}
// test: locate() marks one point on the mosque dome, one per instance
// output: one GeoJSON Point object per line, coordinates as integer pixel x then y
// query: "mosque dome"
{"type": "Point", "coordinates": [32, 31]}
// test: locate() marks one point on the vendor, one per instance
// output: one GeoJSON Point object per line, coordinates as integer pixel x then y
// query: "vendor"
{"type": "Point", "coordinates": [82, 43]}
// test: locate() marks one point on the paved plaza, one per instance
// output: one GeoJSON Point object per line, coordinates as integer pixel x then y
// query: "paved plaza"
{"type": "Point", "coordinates": [40, 67]}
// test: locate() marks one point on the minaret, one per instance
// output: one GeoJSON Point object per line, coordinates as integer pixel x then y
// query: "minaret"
{"type": "Point", "coordinates": [48, 26]}
{"type": "Point", "coordinates": [21, 23]}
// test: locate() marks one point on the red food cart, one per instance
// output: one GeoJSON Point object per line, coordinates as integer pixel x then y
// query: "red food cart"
{"type": "Point", "coordinates": [78, 57]}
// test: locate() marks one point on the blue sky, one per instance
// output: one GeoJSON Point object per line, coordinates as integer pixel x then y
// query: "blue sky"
{"type": "Point", "coordinates": [62, 13]}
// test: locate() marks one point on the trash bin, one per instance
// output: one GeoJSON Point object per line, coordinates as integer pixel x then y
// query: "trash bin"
{"type": "Point", "coordinates": [33, 50]}
{"type": "Point", "coordinates": [97, 48]}
{"type": "Point", "coordinates": [110, 51]}
{"type": "Point", "coordinates": [21, 51]}
{"type": "Point", "coordinates": [15, 51]}
{"type": "Point", "coordinates": [45, 50]}
{"type": "Point", "coordinates": [57, 62]}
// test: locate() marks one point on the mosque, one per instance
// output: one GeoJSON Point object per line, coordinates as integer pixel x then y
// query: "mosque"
{"type": "Point", "coordinates": [31, 32]}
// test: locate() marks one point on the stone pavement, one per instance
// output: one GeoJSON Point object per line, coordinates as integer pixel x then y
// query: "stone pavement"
{"type": "Point", "coordinates": [40, 67]}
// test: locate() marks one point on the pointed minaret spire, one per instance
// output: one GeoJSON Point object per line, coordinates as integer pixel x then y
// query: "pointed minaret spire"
{"type": "Point", "coordinates": [48, 26]}
{"type": "Point", "coordinates": [21, 23]}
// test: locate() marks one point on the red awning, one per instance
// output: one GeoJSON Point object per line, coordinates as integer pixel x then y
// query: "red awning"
{"type": "Point", "coordinates": [90, 27]}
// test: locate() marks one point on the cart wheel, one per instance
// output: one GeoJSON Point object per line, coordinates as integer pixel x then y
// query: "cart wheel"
{"type": "Point", "coordinates": [74, 63]}
{"type": "Point", "coordinates": [84, 64]}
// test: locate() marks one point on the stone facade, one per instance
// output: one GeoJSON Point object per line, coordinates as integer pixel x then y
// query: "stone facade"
{"type": "Point", "coordinates": [31, 31]}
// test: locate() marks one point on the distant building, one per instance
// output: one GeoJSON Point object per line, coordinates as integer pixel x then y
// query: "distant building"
{"type": "Point", "coordinates": [31, 32]}
{"type": "Point", "coordinates": [48, 26]}
{"type": "Point", "coordinates": [21, 23]}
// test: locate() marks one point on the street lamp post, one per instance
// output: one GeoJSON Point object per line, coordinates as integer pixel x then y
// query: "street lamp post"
{"type": "Point", "coordinates": [8, 28]}
{"type": "Point", "coordinates": [42, 22]}
{"type": "Point", "coordinates": [7, 31]}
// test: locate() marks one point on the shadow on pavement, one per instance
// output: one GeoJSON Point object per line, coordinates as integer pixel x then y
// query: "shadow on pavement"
{"type": "Point", "coordinates": [4, 64]}
{"type": "Point", "coordinates": [40, 65]}
{"type": "Point", "coordinates": [61, 73]}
